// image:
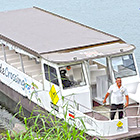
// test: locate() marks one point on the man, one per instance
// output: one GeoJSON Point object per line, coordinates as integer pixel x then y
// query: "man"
{"type": "Point", "coordinates": [117, 92]}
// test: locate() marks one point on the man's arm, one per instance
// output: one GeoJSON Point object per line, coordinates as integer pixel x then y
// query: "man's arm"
{"type": "Point", "coordinates": [107, 94]}
{"type": "Point", "coordinates": [127, 100]}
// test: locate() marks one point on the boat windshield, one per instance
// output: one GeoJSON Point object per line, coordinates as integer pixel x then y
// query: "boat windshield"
{"type": "Point", "coordinates": [123, 66]}
{"type": "Point", "coordinates": [72, 76]}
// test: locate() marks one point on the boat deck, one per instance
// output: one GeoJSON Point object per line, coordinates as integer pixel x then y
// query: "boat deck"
{"type": "Point", "coordinates": [133, 114]}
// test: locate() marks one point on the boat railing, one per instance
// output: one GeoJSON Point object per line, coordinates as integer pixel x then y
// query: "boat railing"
{"type": "Point", "coordinates": [135, 117]}
{"type": "Point", "coordinates": [93, 112]}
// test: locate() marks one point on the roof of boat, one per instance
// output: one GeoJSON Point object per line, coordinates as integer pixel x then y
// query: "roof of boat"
{"type": "Point", "coordinates": [40, 32]}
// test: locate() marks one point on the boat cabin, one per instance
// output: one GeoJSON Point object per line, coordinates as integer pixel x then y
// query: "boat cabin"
{"type": "Point", "coordinates": [65, 62]}
{"type": "Point", "coordinates": [85, 74]}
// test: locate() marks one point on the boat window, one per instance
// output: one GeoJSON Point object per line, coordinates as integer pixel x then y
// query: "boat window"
{"type": "Point", "coordinates": [72, 76]}
{"type": "Point", "coordinates": [123, 66]}
{"type": "Point", "coordinates": [50, 74]}
{"type": "Point", "coordinates": [101, 61]}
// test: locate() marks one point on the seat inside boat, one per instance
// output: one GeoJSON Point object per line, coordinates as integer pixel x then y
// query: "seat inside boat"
{"type": "Point", "coordinates": [31, 66]}
{"type": "Point", "coordinates": [74, 73]}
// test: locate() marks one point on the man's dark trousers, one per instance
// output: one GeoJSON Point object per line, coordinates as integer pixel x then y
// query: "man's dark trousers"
{"type": "Point", "coordinates": [115, 107]}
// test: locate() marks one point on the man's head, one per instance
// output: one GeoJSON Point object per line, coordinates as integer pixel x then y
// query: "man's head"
{"type": "Point", "coordinates": [118, 81]}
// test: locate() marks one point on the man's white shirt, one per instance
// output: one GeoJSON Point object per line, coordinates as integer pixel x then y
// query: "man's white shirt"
{"type": "Point", "coordinates": [117, 94]}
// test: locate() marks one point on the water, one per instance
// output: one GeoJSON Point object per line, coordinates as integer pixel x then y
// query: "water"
{"type": "Point", "coordinates": [117, 17]}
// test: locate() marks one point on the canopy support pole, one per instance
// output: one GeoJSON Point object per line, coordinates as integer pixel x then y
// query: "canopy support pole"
{"type": "Point", "coordinates": [4, 53]}
{"type": "Point", "coordinates": [21, 61]}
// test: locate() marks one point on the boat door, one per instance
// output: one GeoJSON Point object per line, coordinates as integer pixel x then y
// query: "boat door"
{"type": "Point", "coordinates": [51, 86]}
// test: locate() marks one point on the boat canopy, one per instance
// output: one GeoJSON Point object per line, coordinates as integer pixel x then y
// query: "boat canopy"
{"type": "Point", "coordinates": [39, 32]}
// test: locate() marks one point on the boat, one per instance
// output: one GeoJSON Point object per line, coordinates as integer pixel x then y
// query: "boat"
{"type": "Point", "coordinates": [69, 68]}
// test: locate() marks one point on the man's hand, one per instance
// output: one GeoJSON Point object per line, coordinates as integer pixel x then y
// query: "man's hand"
{"type": "Point", "coordinates": [126, 104]}
{"type": "Point", "coordinates": [127, 100]}
{"type": "Point", "coordinates": [104, 101]}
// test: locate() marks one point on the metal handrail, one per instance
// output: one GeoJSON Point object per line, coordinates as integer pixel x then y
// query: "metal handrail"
{"type": "Point", "coordinates": [134, 117]}
{"type": "Point", "coordinates": [124, 112]}
{"type": "Point", "coordinates": [94, 111]}
{"type": "Point", "coordinates": [101, 112]}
